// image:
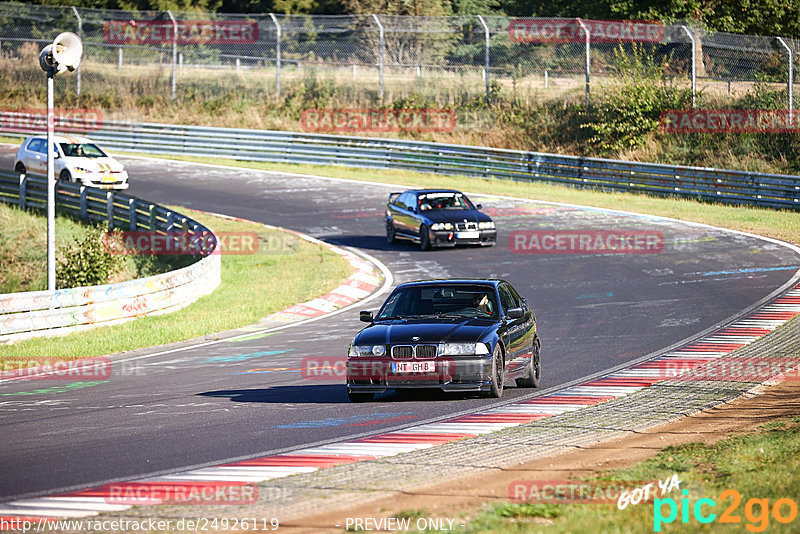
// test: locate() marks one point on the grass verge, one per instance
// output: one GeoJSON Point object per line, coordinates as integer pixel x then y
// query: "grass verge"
{"type": "Point", "coordinates": [286, 270]}
{"type": "Point", "coordinates": [23, 251]}
{"type": "Point", "coordinates": [757, 466]}
{"type": "Point", "coordinates": [778, 224]}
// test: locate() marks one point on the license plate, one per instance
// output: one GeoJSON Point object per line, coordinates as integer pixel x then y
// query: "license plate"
{"type": "Point", "coordinates": [413, 367]}
{"type": "Point", "coordinates": [472, 234]}
{"type": "Point", "coordinates": [108, 178]}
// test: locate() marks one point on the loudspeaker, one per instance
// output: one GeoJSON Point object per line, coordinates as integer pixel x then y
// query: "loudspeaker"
{"type": "Point", "coordinates": [64, 54]}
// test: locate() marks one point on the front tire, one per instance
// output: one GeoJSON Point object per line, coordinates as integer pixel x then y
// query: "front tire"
{"type": "Point", "coordinates": [359, 397]}
{"type": "Point", "coordinates": [391, 236]}
{"type": "Point", "coordinates": [424, 238]}
{"type": "Point", "coordinates": [498, 373]}
{"type": "Point", "coordinates": [19, 168]}
{"type": "Point", "coordinates": [534, 376]}
{"type": "Point", "coordinates": [65, 176]}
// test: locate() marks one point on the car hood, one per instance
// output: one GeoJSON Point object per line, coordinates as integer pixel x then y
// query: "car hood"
{"type": "Point", "coordinates": [456, 330]}
{"type": "Point", "coordinates": [95, 164]}
{"type": "Point", "coordinates": [457, 216]}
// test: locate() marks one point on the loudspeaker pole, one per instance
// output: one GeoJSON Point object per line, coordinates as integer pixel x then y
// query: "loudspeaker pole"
{"type": "Point", "coordinates": [51, 187]}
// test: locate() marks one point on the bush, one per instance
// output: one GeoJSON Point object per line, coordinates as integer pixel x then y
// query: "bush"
{"type": "Point", "coordinates": [87, 262]}
{"type": "Point", "coordinates": [622, 118]}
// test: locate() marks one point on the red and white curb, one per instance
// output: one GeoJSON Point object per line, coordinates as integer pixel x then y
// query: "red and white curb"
{"type": "Point", "coordinates": [617, 384]}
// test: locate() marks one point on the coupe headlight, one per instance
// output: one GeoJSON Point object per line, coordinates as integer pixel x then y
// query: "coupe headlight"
{"type": "Point", "coordinates": [366, 350]}
{"type": "Point", "coordinates": [442, 226]}
{"type": "Point", "coordinates": [486, 225]}
{"type": "Point", "coordinates": [458, 349]}
{"type": "Point", "coordinates": [82, 169]}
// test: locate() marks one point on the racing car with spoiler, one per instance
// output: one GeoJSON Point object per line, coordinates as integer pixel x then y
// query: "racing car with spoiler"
{"type": "Point", "coordinates": [437, 218]}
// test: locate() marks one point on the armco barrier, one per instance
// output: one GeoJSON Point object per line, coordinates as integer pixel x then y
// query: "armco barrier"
{"type": "Point", "coordinates": [736, 187]}
{"type": "Point", "coordinates": [37, 313]}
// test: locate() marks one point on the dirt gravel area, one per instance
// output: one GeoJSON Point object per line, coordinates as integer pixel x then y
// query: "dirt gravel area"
{"type": "Point", "coordinates": [463, 498]}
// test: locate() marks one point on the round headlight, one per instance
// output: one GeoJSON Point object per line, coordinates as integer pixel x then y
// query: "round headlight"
{"type": "Point", "coordinates": [378, 350]}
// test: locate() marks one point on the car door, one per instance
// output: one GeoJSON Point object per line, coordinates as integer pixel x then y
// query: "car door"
{"type": "Point", "coordinates": [529, 323]}
{"type": "Point", "coordinates": [405, 220]}
{"type": "Point", "coordinates": [35, 159]}
{"type": "Point", "coordinates": [517, 352]}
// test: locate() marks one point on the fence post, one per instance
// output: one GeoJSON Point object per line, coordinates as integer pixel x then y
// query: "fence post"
{"type": "Point", "coordinates": [132, 214]}
{"type": "Point", "coordinates": [23, 190]}
{"type": "Point", "coordinates": [84, 203]}
{"type": "Point", "coordinates": [692, 40]}
{"type": "Point", "coordinates": [588, 57]}
{"type": "Point", "coordinates": [180, 63]}
{"type": "Point", "coordinates": [152, 216]}
{"type": "Point", "coordinates": [110, 209]}
{"type": "Point", "coordinates": [174, 52]}
{"type": "Point", "coordinates": [80, 36]}
{"type": "Point", "coordinates": [486, 66]}
{"type": "Point", "coordinates": [277, 54]}
{"type": "Point", "coordinates": [119, 58]}
{"type": "Point", "coordinates": [791, 77]}
{"type": "Point", "coordinates": [380, 54]}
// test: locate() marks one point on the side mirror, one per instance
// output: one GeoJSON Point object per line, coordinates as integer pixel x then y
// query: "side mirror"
{"type": "Point", "coordinates": [516, 313]}
{"type": "Point", "coordinates": [365, 316]}
{"type": "Point", "coordinates": [479, 206]}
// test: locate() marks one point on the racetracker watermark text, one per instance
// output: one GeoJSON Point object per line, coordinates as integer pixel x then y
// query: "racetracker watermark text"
{"type": "Point", "coordinates": [204, 243]}
{"type": "Point", "coordinates": [730, 121]}
{"type": "Point", "coordinates": [554, 30]}
{"type": "Point", "coordinates": [378, 120]}
{"type": "Point", "coordinates": [34, 120]}
{"type": "Point", "coordinates": [182, 32]}
{"type": "Point", "coordinates": [586, 242]}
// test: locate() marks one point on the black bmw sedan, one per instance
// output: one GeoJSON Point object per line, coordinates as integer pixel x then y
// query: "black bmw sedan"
{"type": "Point", "coordinates": [454, 335]}
{"type": "Point", "coordinates": [437, 218]}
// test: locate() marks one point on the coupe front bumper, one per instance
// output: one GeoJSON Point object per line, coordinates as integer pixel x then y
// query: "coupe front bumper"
{"type": "Point", "coordinates": [448, 238]}
{"type": "Point", "coordinates": [451, 373]}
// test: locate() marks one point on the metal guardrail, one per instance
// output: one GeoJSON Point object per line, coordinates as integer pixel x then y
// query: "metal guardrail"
{"type": "Point", "coordinates": [718, 185]}
{"type": "Point", "coordinates": [36, 313]}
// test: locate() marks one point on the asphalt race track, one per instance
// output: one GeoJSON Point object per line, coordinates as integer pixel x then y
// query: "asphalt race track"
{"type": "Point", "coordinates": [227, 400]}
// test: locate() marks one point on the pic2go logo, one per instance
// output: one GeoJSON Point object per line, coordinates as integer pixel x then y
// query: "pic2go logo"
{"type": "Point", "coordinates": [756, 511]}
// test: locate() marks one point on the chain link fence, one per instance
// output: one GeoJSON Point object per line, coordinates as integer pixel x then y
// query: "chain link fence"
{"type": "Point", "coordinates": [377, 58]}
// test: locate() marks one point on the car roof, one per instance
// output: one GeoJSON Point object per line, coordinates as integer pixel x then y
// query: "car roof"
{"type": "Point", "coordinates": [455, 281]}
{"type": "Point", "coordinates": [64, 138]}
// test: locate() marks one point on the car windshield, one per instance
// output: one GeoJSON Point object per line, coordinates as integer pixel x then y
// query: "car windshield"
{"type": "Point", "coordinates": [441, 301]}
{"type": "Point", "coordinates": [443, 201]}
{"type": "Point", "coordinates": [82, 150]}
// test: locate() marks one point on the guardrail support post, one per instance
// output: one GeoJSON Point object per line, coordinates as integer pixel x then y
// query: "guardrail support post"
{"type": "Point", "coordinates": [80, 36]}
{"type": "Point", "coordinates": [486, 66]}
{"type": "Point", "coordinates": [84, 204]}
{"type": "Point", "coordinates": [174, 52]}
{"type": "Point", "coordinates": [110, 209]}
{"type": "Point", "coordinates": [132, 225]}
{"type": "Point", "coordinates": [380, 55]}
{"type": "Point", "coordinates": [790, 52]}
{"type": "Point", "coordinates": [170, 222]}
{"type": "Point", "coordinates": [152, 217]}
{"type": "Point", "coordinates": [277, 54]}
{"type": "Point", "coordinates": [588, 60]}
{"type": "Point", "coordinates": [694, 65]}
{"type": "Point", "coordinates": [23, 190]}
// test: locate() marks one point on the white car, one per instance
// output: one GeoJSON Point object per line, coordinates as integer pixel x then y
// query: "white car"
{"type": "Point", "coordinates": [77, 159]}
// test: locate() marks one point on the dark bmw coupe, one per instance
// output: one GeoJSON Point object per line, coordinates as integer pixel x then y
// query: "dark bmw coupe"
{"type": "Point", "coordinates": [454, 335]}
{"type": "Point", "coordinates": [437, 218]}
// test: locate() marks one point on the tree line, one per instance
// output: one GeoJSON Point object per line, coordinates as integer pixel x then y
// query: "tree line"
{"type": "Point", "coordinates": [755, 17]}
